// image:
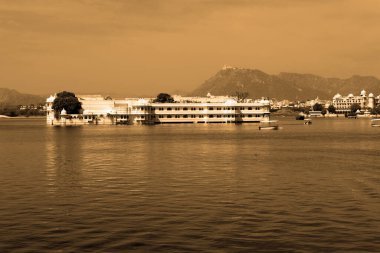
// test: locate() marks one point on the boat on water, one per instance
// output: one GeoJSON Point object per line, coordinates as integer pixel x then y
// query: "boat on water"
{"type": "Point", "coordinates": [269, 125]}
{"type": "Point", "coordinates": [307, 121]}
{"type": "Point", "coordinates": [375, 122]}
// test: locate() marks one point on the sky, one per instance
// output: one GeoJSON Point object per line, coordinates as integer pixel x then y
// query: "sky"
{"type": "Point", "coordinates": [143, 47]}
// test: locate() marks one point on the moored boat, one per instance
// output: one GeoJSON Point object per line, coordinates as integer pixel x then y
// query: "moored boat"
{"type": "Point", "coordinates": [375, 122]}
{"type": "Point", "coordinates": [269, 125]}
{"type": "Point", "coordinates": [307, 122]}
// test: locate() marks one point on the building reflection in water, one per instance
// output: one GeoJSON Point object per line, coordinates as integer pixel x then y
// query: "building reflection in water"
{"type": "Point", "coordinates": [64, 158]}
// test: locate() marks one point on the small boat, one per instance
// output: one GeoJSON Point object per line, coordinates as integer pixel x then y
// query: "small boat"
{"type": "Point", "coordinates": [269, 125]}
{"type": "Point", "coordinates": [307, 122]}
{"type": "Point", "coordinates": [300, 117]}
{"type": "Point", "coordinates": [375, 122]}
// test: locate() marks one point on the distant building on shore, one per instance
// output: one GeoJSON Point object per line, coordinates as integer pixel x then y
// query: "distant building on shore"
{"type": "Point", "coordinates": [343, 104]}
{"type": "Point", "coordinates": [209, 109]}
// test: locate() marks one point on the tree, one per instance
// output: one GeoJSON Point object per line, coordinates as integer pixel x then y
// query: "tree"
{"type": "Point", "coordinates": [317, 107]}
{"type": "Point", "coordinates": [376, 110]}
{"type": "Point", "coordinates": [68, 101]}
{"type": "Point", "coordinates": [241, 95]}
{"type": "Point", "coordinates": [331, 109]}
{"type": "Point", "coordinates": [164, 98]}
{"type": "Point", "coordinates": [355, 107]}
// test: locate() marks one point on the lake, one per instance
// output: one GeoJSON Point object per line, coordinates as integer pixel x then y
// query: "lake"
{"type": "Point", "coordinates": [190, 187]}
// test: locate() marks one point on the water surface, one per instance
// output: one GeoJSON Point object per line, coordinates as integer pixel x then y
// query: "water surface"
{"type": "Point", "coordinates": [190, 188]}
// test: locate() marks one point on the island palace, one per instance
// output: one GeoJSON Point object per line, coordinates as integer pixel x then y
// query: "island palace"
{"type": "Point", "coordinates": [210, 109]}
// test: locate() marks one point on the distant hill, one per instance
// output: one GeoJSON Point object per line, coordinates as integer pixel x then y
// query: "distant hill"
{"type": "Point", "coordinates": [13, 97]}
{"type": "Point", "coordinates": [291, 86]}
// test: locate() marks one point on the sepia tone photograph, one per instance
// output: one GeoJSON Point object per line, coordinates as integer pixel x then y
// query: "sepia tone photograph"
{"type": "Point", "coordinates": [221, 126]}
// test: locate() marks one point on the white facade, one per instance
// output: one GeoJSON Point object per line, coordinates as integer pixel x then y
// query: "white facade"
{"type": "Point", "coordinates": [98, 110]}
{"type": "Point", "coordinates": [343, 104]}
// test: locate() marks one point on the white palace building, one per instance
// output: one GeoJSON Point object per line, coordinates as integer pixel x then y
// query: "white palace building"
{"type": "Point", "coordinates": [343, 104]}
{"type": "Point", "coordinates": [210, 109]}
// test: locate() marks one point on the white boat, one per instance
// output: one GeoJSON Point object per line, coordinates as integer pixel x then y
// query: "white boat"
{"type": "Point", "coordinates": [307, 121]}
{"type": "Point", "coordinates": [375, 122]}
{"type": "Point", "coordinates": [269, 125]}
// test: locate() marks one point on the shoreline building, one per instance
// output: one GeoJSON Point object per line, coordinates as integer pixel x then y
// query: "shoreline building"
{"type": "Point", "coordinates": [343, 104]}
{"type": "Point", "coordinates": [210, 109]}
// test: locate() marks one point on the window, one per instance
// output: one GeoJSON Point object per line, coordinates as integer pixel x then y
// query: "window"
{"type": "Point", "coordinates": [185, 108]}
{"type": "Point", "coordinates": [185, 116]}
{"type": "Point", "coordinates": [211, 108]}
{"type": "Point", "coordinates": [211, 116]}
{"type": "Point", "coordinates": [169, 109]}
{"type": "Point", "coordinates": [249, 108]}
{"type": "Point", "coordinates": [219, 108]}
{"type": "Point", "coordinates": [169, 116]}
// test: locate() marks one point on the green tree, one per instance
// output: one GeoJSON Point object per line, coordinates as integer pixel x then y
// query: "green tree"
{"type": "Point", "coordinates": [241, 95]}
{"type": "Point", "coordinates": [164, 98]}
{"type": "Point", "coordinates": [317, 107]}
{"type": "Point", "coordinates": [331, 109]}
{"type": "Point", "coordinates": [376, 110]}
{"type": "Point", "coordinates": [68, 101]}
{"type": "Point", "coordinates": [355, 107]}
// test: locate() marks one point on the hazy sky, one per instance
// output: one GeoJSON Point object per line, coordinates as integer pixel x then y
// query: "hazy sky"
{"type": "Point", "coordinates": [139, 47]}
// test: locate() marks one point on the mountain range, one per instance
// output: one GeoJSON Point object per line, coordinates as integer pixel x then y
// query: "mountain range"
{"type": "Point", "coordinates": [292, 86]}
{"type": "Point", "coordinates": [230, 80]}
{"type": "Point", "coordinates": [10, 97]}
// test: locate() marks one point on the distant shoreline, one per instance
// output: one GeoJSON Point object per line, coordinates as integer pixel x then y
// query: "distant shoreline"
{"type": "Point", "coordinates": [21, 117]}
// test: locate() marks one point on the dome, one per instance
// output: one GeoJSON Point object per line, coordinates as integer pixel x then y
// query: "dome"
{"type": "Point", "coordinates": [337, 96]}
{"type": "Point", "coordinates": [50, 99]}
{"type": "Point", "coordinates": [371, 95]}
{"type": "Point", "coordinates": [63, 112]}
{"type": "Point", "coordinates": [142, 101]}
{"type": "Point", "coordinates": [363, 93]}
{"type": "Point", "coordinates": [230, 102]}
{"type": "Point", "coordinates": [350, 95]}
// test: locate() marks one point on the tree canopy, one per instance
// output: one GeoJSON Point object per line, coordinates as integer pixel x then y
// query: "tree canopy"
{"type": "Point", "coordinates": [355, 107]}
{"type": "Point", "coordinates": [68, 101]}
{"type": "Point", "coordinates": [241, 95]}
{"type": "Point", "coordinates": [331, 109]}
{"type": "Point", "coordinates": [317, 107]}
{"type": "Point", "coordinates": [164, 98]}
{"type": "Point", "coordinates": [376, 110]}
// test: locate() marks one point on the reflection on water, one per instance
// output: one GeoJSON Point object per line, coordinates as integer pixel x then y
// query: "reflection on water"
{"type": "Point", "coordinates": [190, 188]}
